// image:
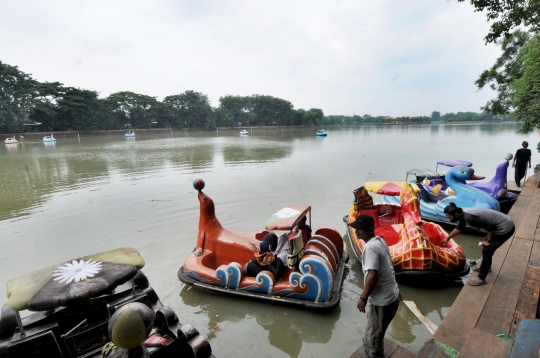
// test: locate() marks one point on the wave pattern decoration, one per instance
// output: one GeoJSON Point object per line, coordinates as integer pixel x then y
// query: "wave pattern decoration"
{"type": "Point", "coordinates": [229, 276]}
{"type": "Point", "coordinates": [265, 284]}
{"type": "Point", "coordinates": [315, 280]}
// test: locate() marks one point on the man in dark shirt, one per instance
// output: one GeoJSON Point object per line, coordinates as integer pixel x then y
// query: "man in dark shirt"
{"type": "Point", "coordinates": [521, 160]}
{"type": "Point", "coordinates": [498, 226]}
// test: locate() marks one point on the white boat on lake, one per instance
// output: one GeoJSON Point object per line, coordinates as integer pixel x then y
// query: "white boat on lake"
{"type": "Point", "coordinates": [49, 138]}
{"type": "Point", "coordinates": [11, 140]}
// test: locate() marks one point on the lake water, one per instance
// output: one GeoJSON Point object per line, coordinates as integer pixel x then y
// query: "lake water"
{"type": "Point", "coordinates": [76, 198]}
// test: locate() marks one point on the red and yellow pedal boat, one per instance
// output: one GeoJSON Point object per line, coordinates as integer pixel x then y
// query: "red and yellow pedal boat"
{"type": "Point", "coordinates": [217, 263]}
{"type": "Point", "coordinates": [415, 245]}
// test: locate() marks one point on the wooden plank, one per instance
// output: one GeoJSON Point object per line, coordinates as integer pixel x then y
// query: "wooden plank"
{"type": "Point", "coordinates": [501, 305]}
{"type": "Point", "coordinates": [389, 349]}
{"type": "Point", "coordinates": [527, 305]}
{"type": "Point", "coordinates": [436, 349]}
{"type": "Point", "coordinates": [401, 352]}
{"type": "Point", "coordinates": [431, 327]}
{"type": "Point", "coordinates": [530, 185]}
{"type": "Point", "coordinates": [529, 221]}
{"type": "Point", "coordinates": [485, 344]}
{"type": "Point", "coordinates": [518, 209]}
{"type": "Point", "coordinates": [456, 328]}
{"type": "Point", "coordinates": [535, 252]}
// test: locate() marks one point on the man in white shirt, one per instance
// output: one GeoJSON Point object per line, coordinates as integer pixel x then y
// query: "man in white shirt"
{"type": "Point", "coordinates": [380, 288]}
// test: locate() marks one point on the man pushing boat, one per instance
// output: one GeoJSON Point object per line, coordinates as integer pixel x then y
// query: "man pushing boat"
{"type": "Point", "coordinates": [499, 228]}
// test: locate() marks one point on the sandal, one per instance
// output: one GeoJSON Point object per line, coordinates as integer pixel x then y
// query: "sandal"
{"type": "Point", "coordinates": [475, 281]}
{"type": "Point", "coordinates": [477, 268]}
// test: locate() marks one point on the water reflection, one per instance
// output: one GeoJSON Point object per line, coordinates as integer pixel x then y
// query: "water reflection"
{"type": "Point", "coordinates": [49, 144]}
{"type": "Point", "coordinates": [12, 147]}
{"type": "Point", "coordinates": [287, 328]}
{"type": "Point", "coordinates": [256, 152]}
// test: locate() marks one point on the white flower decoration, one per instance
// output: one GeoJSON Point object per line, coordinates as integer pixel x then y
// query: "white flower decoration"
{"type": "Point", "coordinates": [76, 271]}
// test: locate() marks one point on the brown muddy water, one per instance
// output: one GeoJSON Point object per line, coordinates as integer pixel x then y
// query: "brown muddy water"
{"type": "Point", "coordinates": [69, 199]}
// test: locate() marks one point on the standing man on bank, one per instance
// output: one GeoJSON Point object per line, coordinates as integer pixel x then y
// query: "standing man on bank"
{"type": "Point", "coordinates": [380, 288]}
{"type": "Point", "coordinates": [521, 160]}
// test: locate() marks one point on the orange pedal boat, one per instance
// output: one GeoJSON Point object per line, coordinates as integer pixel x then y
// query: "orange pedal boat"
{"type": "Point", "coordinates": [217, 263]}
{"type": "Point", "coordinates": [415, 245]}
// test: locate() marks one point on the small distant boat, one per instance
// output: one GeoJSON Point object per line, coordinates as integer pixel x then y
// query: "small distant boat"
{"type": "Point", "coordinates": [321, 133]}
{"type": "Point", "coordinates": [11, 141]}
{"type": "Point", "coordinates": [244, 132]}
{"type": "Point", "coordinates": [130, 135]}
{"type": "Point", "coordinates": [49, 138]}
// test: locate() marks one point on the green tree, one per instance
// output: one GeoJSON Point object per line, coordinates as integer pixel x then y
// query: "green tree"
{"type": "Point", "coordinates": [316, 116]}
{"type": "Point", "coordinates": [506, 15]}
{"type": "Point", "coordinates": [132, 109]}
{"type": "Point", "coordinates": [82, 110]}
{"type": "Point", "coordinates": [525, 97]}
{"type": "Point", "coordinates": [435, 115]}
{"type": "Point", "coordinates": [16, 97]}
{"type": "Point", "coordinates": [193, 108]}
{"type": "Point", "coordinates": [45, 105]}
{"type": "Point", "coordinates": [507, 68]}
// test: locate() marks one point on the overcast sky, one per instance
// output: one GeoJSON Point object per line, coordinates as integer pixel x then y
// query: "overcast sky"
{"type": "Point", "coordinates": [382, 57]}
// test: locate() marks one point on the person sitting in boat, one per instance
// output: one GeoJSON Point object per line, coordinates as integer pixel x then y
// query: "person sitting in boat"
{"type": "Point", "coordinates": [306, 230]}
{"type": "Point", "coordinates": [271, 256]}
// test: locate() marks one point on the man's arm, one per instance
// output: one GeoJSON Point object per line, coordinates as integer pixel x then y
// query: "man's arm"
{"type": "Point", "coordinates": [514, 161]}
{"type": "Point", "coordinates": [454, 233]}
{"type": "Point", "coordinates": [371, 282]}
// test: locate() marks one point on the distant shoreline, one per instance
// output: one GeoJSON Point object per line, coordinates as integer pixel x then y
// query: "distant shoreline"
{"type": "Point", "coordinates": [116, 132]}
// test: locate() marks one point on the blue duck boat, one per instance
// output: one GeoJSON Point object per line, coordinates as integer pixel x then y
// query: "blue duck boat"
{"type": "Point", "coordinates": [321, 133]}
{"type": "Point", "coordinates": [464, 195]}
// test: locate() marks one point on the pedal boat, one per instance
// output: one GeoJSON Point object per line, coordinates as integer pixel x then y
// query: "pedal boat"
{"type": "Point", "coordinates": [315, 284]}
{"type": "Point", "coordinates": [12, 140]}
{"type": "Point", "coordinates": [463, 195]}
{"type": "Point", "coordinates": [244, 132]}
{"type": "Point", "coordinates": [130, 135]}
{"type": "Point", "coordinates": [49, 138]}
{"type": "Point", "coordinates": [415, 245]}
{"type": "Point", "coordinates": [73, 302]}
{"type": "Point", "coordinates": [321, 133]}
{"type": "Point", "coordinates": [436, 187]}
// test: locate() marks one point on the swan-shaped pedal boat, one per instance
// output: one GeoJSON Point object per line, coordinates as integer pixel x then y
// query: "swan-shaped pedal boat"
{"type": "Point", "coordinates": [91, 307]}
{"type": "Point", "coordinates": [12, 140]}
{"type": "Point", "coordinates": [465, 196]}
{"type": "Point", "coordinates": [217, 263]}
{"type": "Point", "coordinates": [130, 135]}
{"type": "Point", "coordinates": [415, 245]}
{"type": "Point", "coordinates": [436, 187]}
{"type": "Point", "coordinates": [49, 138]}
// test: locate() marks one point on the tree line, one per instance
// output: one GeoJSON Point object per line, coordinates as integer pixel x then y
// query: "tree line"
{"type": "Point", "coordinates": [60, 108]}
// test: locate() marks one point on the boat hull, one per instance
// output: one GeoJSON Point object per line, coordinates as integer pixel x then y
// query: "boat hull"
{"type": "Point", "coordinates": [269, 297]}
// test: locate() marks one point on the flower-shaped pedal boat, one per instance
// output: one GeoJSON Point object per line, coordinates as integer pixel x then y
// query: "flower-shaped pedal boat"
{"type": "Point", "coordinates": [217, 264]}
{"type": "Point", "coordinates": [81, 305]}
{"type": "Point", "coordinates": [415, 245]}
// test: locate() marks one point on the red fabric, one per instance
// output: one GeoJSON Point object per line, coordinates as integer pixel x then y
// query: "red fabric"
{"type": "Point", "coordinates": [155, 341]}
